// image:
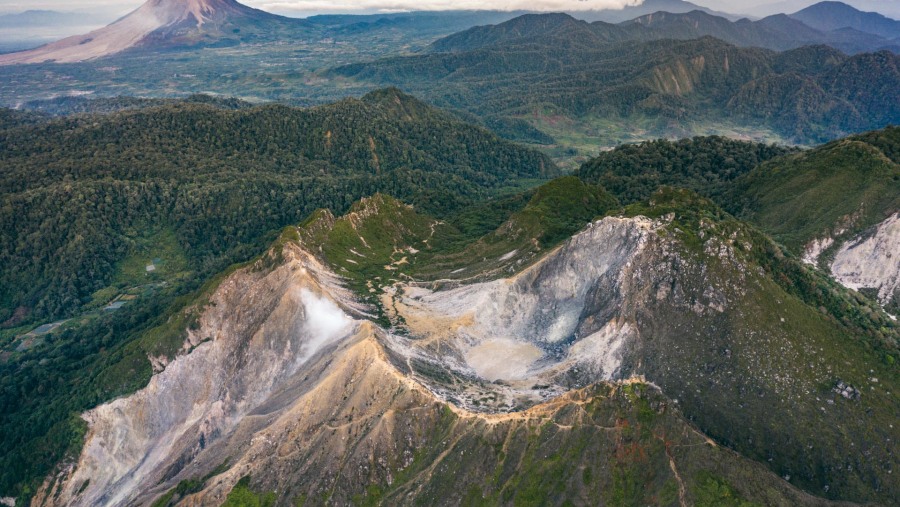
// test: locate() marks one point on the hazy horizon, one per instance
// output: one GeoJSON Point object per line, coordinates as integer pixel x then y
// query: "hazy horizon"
{"type": "Point", "coordinates": [303, 8]}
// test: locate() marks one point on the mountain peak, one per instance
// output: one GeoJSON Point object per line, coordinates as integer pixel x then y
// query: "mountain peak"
{"type": "Point", "coordinates": [170, 23]}
{"type": "Point", "coordinates": [828, 16]}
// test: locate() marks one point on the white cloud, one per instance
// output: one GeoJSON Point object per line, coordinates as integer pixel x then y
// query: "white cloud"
{"type": "Point", "coordinates": [325, 323]}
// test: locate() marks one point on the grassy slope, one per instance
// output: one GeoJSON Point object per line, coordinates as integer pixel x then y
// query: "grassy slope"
{"type": "Point", "coordinates": [381, 239]}
{"type": "Point", "coordinates": [849, 184]}
{"type": "Point", "coordinates": [605, 445]}
{"type": "Point", "coordinates": [788, 336]}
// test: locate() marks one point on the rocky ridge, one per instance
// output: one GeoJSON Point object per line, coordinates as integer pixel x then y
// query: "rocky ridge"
{"type": "Point", "coordinates": [289, 381]}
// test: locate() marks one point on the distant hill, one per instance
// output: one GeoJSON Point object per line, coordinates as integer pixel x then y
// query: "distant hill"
{"type": "Point", "coordinates": [644, 8]}
{"type": "Point", "coordinates": [828, 16]}
{"type": "Point", "coordinates": [778, 32]}
{"type": "Point", "coordinates": [167, 24]}
{"type": "Point", "coordinates": [424, 22]}
{"type": "Point", "coordinates": [44, 18]}
{"type": "Point", "coordinates": [538, 27]}
{"type": "Point", "coordinates": [888, 8]}
{"type": "Point", "coordinates": [810, 94]}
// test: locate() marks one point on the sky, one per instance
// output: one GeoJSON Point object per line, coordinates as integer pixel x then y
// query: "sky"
{"type": "Point", "coordinates": [356, 5]}
{"type": "Point", "coordinates": [306, 7]}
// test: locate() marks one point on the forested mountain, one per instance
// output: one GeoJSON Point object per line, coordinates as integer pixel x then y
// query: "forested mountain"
{"type": "Point", "coordinates": [848, 185]}
{"type": "Point", "coordinates": [832, 205]}
{"type": "Point", "coordinates": [220, 180]}
{"type": "Point", "coordinates": [828, 16]}
{"type": "Point", "coordinates": [706, 165]}
{"type": "Point", "coordinates": [806, 95]}
{"type": "Point", "coordinates": [532, 28]}
{"type": "Point", "coordinates": [778, 32]}
{"type": "Point", "coordinates": [828, 205]}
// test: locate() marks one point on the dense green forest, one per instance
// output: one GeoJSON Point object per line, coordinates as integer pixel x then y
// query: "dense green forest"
{"type": "Point", "coordinates": [90, 187]}
{"type": "Point", "coordinates": [68, 105]}
{"type": "Point", "coordinates": [706, 165]}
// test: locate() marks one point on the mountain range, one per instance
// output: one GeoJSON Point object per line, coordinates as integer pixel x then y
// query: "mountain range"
{"type": "Point", "coordinates": [546, 65]}
{"type": "Point", "coordinates": [778, 32]}
{"type": "Point", "coordinates": [169, 24]}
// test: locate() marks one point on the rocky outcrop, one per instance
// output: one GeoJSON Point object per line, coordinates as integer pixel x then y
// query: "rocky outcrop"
{"type": "Point", "coordinates": [259, 330]}
{"type": "Point", "coordinates": [872, 261]}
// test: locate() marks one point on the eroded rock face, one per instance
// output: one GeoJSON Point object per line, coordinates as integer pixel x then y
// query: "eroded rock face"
{"type": "Point", "coordinates": [257, 333]}
{"type": "Point", "coordinates": [281, 346]}
{"type": "Point", "coordinates": [529, 333]}
{"type": "Point", "coordinates": [872, 261]}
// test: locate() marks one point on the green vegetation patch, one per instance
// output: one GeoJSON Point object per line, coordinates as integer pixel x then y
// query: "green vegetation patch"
{"type": "Point", "coordinates": [837, 190]}
{"type": "Point", "coordinates": [243, 496]}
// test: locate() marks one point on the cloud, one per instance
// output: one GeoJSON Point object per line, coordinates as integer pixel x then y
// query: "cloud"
{"type": "Point", "coordinates": [325, 323]}
{"type": "Point", "coordinates": [438, 5]}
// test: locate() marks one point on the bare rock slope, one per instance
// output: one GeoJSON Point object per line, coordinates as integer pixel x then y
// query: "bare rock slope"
{"type": "Point", "coordinates": [872, 261]}
{"type": "Point", "coordinates": [574, 379]}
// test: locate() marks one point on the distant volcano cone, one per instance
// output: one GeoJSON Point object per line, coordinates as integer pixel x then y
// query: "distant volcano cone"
{"type": "Point", "coordinates": [166, 23]}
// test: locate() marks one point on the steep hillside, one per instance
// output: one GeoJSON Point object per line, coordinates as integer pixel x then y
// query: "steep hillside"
{"type": "Point", "coordinates": [167, 24]}
{"type": "Point", "coordinates": [660, 88]}
{"type": "Point", "coordinates": [836, 15]}
{"type": "Point", "coordinates": [305, 398]}
{"type": "Point", "coordinates": [827, 201]}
